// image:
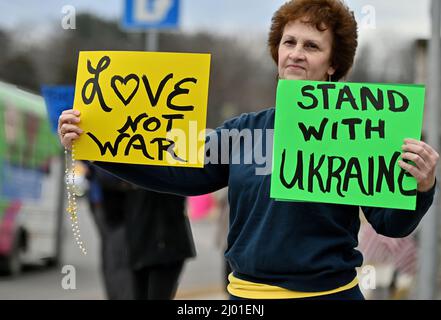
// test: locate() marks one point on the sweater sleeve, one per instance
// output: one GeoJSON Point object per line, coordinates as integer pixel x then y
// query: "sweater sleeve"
{"type": "Point", "coordinates": [184, 181]}
{"type": "Point", "coordinates": [398, 223]}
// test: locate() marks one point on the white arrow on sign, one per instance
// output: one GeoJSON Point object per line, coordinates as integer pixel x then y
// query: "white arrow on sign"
{"type": "Point", "coordinates": [151, 11]}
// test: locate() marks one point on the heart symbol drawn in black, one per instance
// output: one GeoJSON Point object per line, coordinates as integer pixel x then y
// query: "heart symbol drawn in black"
{"type": "Point", "coordinates": [124, 82]}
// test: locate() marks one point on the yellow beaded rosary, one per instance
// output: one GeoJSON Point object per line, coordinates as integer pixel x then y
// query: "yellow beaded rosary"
{"type": "Point", "coordinates": [71, 196]}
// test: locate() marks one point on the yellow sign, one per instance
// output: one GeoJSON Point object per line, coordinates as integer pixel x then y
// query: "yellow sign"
{"type": "Point", "coordinates": [142, 107]}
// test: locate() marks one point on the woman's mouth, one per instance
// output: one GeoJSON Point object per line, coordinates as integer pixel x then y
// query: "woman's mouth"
{"type": "Point", "coordinates": [295, 67]}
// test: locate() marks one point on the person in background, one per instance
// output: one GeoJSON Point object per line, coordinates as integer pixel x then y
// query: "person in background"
{"type": "Point", "coordinates": [106, 197]}
{"type": "Point", "coordinates": [145, 238]}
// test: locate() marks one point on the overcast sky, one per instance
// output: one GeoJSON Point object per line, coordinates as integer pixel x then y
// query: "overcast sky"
{"type": "Point", "coordinates": [408, 18]}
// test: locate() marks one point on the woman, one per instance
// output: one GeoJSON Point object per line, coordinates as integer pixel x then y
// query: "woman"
{"type": "Point", "coordinates": [288, 249]}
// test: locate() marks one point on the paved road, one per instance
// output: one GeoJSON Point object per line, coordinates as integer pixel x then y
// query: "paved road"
{"type": "Point", "coordinates": [201, 279]}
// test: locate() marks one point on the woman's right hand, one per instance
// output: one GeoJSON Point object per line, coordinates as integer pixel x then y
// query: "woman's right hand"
{"type": "Point", "coordinates": [68, 129]}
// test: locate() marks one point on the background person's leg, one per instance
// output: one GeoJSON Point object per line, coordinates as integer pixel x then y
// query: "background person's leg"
{"type": "Point", "coordinates": [158, 282]}
{"type": "Point", "coordinates": [117, 274]}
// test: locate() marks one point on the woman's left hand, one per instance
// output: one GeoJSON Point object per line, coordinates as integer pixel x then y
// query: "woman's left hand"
{"type": "Point", "coordinates": [425, 159]}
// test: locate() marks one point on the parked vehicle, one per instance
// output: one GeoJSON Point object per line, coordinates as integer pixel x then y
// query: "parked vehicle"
{"type": "Point", "coordinates": [31, 182]}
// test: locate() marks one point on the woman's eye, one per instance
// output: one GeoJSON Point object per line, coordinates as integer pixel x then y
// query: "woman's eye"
{"type": "Point", "coordinates": [311, 45]}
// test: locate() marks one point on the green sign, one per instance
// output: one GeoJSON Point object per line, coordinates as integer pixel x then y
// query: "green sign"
{"type": "Point", "coordinates": [341, 142]}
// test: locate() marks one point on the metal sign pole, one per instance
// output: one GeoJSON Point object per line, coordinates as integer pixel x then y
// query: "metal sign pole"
{"type": "Point", "coordinates": [151, 40]}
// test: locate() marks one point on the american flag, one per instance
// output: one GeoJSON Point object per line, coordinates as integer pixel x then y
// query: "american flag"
{"type": "Point", "coordinates": [402, 253]}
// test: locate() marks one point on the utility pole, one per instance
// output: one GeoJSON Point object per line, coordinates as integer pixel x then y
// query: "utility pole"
{"type": "Point", "coordinates": [429, 251]}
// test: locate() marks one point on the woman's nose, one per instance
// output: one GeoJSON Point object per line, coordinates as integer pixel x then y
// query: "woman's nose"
{"type": "Point", "coordinates": [297, 53]}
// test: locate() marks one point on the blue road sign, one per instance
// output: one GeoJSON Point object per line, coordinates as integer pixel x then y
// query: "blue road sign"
{"type": "Point", "coordinates": [57, 98]}
{"type": "Point", "coordinates": [151, 14]}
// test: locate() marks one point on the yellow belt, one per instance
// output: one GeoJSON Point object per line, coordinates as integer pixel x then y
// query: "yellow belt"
{"type": "Point", "coordinates": [251, 290]}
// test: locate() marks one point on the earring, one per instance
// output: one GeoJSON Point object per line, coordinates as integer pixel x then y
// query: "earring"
{"type": "Point", "coordinates": [329, 78]}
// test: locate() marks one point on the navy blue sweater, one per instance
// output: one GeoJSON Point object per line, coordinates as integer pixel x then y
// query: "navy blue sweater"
{"type": "Point", "coordinates": [295, 245]}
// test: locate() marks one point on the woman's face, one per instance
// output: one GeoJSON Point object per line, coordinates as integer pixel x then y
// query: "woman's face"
{"type": "Point", "coordinates": [305, 52]}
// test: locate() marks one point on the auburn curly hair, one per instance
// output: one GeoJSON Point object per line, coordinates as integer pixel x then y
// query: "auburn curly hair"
{"type": "Point", "coordinates": [323, 14]}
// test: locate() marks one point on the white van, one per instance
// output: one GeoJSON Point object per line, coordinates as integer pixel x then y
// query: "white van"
{"type": "Point", "coordinates": [31, 182]}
